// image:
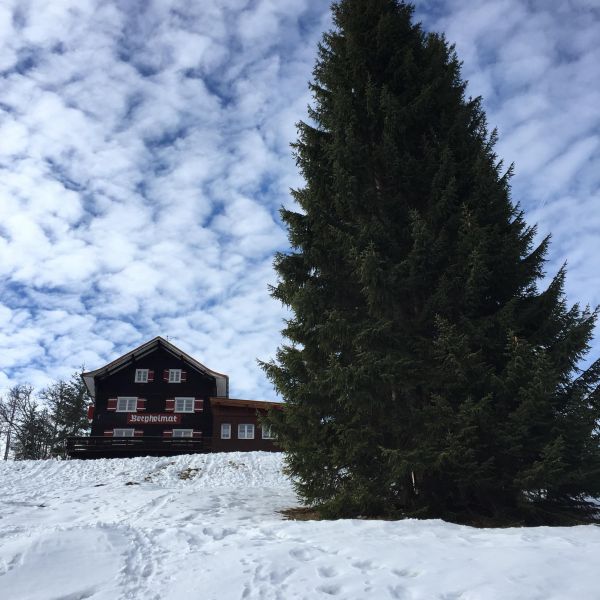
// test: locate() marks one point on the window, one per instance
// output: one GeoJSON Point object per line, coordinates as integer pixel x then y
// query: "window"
{"type": "Point", "coordinates": [183, 433]}
{"type": "Point", "coordinates": [184, 405]}
{"type": "Point", "coordinates": [141, 375]}
{"type": "Point", "coordinates": [126, 404]}
{"type": "Point", "coordinates": [246, 431]}
{"type": "Point", "coordinates": [267, 433]}
{"type": "Point", "coordinates": [174, 375]}
{"type": "Point", "coordinates": [122, 432]}
{"type": "Point", "coordinates": [225, 431]}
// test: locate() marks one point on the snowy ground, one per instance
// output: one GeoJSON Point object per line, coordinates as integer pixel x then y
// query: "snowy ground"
{"type": "Point", "coordinates": [117, 529]}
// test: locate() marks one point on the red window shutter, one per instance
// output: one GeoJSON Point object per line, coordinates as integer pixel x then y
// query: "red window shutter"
{"type": "Point", "coordinates": [183, 375]}
{"type": "Point", "coordinates": [166, 375]}
{"type": "Point", "coordinates": [198, 405]}
{"type": "Point", "coordinates": [90, 412]}
{"type": "Point", "coordinates": [112, 404]}
{"type": "Point", "coordinates": [138, 433]}
{"type": "Point", "coordinates": [150, 376]}
{"type": "Point", "coordinates": [141, 404]}
{"type": "Point", "coordinates": [170, 406]}
{"type": "Point", "coordinates": [197, 434]}
{"type": "Point", "coordinates": [108, 433]}
{"type": "Point", "coordinates": [168, 433]}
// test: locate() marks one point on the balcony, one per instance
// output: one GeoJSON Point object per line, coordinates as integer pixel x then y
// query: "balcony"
{"type": "Point", "coordinates": [120, 447]}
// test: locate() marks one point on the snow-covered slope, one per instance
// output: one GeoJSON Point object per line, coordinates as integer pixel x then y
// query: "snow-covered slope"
{"type": "Point", "coordinates": [206, 527]}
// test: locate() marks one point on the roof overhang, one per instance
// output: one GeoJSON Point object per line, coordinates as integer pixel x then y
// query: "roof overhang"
{"type": "Point", "coordinates": [239, 403]}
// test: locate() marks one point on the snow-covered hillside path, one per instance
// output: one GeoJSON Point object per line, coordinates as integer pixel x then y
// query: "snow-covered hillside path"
{"type": "Point", "coordinates": [207, 527]}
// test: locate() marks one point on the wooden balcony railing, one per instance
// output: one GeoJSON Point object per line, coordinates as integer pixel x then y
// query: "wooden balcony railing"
{"type": "Point", "coordinates": [78, 447]}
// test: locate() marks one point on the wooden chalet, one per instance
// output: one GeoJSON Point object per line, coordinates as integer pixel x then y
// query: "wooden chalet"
{"type": "Point", "coordinates": [157, 400]}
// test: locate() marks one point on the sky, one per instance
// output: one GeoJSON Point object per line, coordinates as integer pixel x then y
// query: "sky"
{"type": "Point", "coordinates": [144, 155]}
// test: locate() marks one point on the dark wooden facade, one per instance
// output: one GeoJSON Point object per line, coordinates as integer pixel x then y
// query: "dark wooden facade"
{"type": "Point", "coordinates": [157, 400]}
{"type": "Point", "coordinates": [235, 413]}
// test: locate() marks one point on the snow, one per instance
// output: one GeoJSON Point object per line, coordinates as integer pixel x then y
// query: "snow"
{"type": "Point", "coordinates": [207, 527]}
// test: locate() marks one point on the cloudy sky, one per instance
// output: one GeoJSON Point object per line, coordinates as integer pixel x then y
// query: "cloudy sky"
{"type": "Point", "coordinates": [144, 153]}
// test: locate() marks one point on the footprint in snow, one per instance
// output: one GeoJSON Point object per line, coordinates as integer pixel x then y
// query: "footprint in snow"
{"type": "Point", "coordinates": [363, 565]}
{"type": "Point", "coordinates": [397, 592]}
{"type": "Point", "coordinates": [331, 589]}
{"type": "Point", "coordinates": [405, 573]}
{"type": "Point", "coordinates": [302, 554]}
{"type": "Point", "coordinates": [327, 572]}
{"type": "Point", "coordinates": [218, 534]}
{"type": "Point", "coordinates": [277, 576]}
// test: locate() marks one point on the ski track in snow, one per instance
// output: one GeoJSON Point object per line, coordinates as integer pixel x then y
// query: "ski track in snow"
{"type": "Point", "coordinates": [135, 529]}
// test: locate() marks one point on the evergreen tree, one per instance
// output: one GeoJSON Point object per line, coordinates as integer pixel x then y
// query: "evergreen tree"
{"type": "Point", "coordinates": [67, 403]}
{"type": "Point", "coordinates": [33, 435]}
{"type": "Point", "coordinates": [427, 373]}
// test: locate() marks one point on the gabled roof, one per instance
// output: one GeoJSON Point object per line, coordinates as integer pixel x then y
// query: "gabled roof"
{"type": "Point", "coordinates": [147, 348]}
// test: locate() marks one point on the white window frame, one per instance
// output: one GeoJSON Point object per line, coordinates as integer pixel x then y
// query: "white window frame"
{"type": "Point", "coordinates": [183, 433]}
{"type": "Point", "coordinates": [267, 432]}
{"type": "Point", "coordinates": [141, 376]}
{"type": "Point", "coordinates": [225, 431]}
{"type": "Point", "coordinates": [129, 432]}
{"type": "Point", "coordinates": [174, 375]}
{"type": "Point", "coordinates": [130, 403]}
{"type": "Point", "coordinates": [179, 400]}
{"type": "Point", "coordinates": [244, 429]}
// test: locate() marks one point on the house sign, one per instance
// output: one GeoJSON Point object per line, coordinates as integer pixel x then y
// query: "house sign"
{"type": "Point", "coordinates": [153, 419]}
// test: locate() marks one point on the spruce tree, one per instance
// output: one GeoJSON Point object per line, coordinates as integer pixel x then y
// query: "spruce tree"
{"type": "Point", "coordinates": [67, 403]}
{"type": "Point", "coordinates": [427, 373]}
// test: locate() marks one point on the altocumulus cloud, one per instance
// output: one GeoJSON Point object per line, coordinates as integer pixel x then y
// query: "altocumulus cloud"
{"type": "Point", "coordinates": [144, 152]}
